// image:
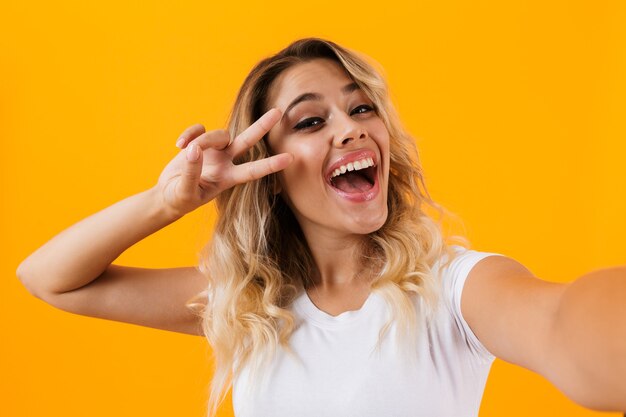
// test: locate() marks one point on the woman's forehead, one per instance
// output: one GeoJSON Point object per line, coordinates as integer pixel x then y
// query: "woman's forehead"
{"type": "Point", "coordinates": [315, 76]}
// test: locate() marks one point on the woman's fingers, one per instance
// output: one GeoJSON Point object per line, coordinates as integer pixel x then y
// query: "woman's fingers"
{"type": "Point", "coordinates": [220, 139]}
{"type": "Point", "coordinates": [254, 170]}
{"type": "Point", "coordinates": [189, 134]}
{"type": "Point", "coordinates": [254, 132]}
{"type": "Point", "coordinates": [215, 139]}
{"type": "Point", "coordinates": [191, 172]}
{"type": "Point", "coordinates": [219, 169]}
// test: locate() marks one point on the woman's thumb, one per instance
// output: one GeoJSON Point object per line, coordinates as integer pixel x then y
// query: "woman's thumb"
{"type": "Point", "coordinates": [191, 170]}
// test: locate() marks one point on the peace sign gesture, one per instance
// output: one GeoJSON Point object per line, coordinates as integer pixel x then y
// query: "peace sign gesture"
{"type": "Point", "coordinates": [202, 171]}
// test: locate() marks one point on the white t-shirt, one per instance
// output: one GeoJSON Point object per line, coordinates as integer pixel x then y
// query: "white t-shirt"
{"type": "Point", "coordinates": [340, 374]}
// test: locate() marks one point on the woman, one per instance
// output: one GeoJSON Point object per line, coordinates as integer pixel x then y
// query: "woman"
{"type": "Point", "coordinates": [326, 290]}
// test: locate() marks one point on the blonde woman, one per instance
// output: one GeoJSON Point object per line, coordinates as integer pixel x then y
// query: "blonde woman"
{"type": "Point", "coordinates": [326, 290]}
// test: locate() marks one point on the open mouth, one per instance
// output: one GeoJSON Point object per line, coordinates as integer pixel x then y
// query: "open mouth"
{"type": "Point", "coordinates": [355, 177]}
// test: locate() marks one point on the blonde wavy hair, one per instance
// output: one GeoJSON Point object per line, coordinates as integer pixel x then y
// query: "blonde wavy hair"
{"type": "Point", "coordinates": [258, 261]}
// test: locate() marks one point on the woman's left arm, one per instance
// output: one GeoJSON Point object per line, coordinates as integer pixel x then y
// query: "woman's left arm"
{"type": "Point", "coordinates": [573, 334]}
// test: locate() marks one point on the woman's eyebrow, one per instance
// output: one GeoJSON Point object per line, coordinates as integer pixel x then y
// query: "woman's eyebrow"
{"type": "Point", "coordinates": [347, 89]}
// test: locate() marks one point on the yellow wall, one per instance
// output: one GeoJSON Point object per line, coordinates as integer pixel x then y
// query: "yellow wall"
{"type": "Point", "coordinates": [517, 107]}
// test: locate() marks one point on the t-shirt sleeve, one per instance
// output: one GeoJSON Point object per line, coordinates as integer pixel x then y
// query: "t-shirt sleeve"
{"type": "Point", "coordinates": [453, 280]}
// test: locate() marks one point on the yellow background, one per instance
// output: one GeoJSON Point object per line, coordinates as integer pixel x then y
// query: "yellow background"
{"type": "Point", "coordinates": [517, 107]}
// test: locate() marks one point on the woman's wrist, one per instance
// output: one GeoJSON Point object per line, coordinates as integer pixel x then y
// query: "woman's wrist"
{"type": "Point", "coordinates": [162, 212]}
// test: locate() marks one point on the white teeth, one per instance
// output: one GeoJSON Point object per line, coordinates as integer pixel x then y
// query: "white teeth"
{"type": "Point", "coordinates": [353, 166]}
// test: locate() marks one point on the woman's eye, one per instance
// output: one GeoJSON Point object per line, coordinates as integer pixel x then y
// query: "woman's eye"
{"type": "Point", "coordinates": [310, 122]}
{"type": "Point", "coordinates": [363, 108]}
{"type": "Point", "coordinates": [317, 121]}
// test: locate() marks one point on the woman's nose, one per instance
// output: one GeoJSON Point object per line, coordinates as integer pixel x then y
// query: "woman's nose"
{"type": "Point", "coordinates": [348, 130]}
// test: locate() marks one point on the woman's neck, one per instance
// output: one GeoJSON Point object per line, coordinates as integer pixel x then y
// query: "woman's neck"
{"type": "Point", "coordinates": [337, 261]}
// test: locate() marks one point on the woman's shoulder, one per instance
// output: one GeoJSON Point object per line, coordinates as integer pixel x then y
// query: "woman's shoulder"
{"type": "Point", "coordinates": [453, 270]}
{"type": "Point", "coordinates": [454, 266]}
{"type": "Point", "coordinates": [457, 257]}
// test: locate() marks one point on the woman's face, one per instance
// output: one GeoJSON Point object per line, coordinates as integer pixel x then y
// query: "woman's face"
{"type": "Point", "coordinates": [331, 128]}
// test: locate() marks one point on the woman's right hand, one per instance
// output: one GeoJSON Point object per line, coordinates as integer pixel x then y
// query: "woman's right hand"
{"type": "Point", "coordinates": [205, 168]}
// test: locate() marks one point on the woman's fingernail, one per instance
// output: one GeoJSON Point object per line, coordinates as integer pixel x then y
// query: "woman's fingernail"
{"type": "Point", "coordinates": [193, 152]}
{"type": "Point", "coordinates": [180, 143]}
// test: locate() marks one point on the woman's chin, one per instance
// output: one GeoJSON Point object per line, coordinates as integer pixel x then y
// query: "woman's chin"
{"type": "Point", "coordinates": [367, 224]}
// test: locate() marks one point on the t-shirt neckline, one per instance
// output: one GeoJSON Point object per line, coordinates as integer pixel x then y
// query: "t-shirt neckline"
{"type": "Point", "coordinates": [305, 306]}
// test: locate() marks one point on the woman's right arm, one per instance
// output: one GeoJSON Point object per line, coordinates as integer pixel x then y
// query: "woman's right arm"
{"type": "Point", "coordinates": [73, 270]}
